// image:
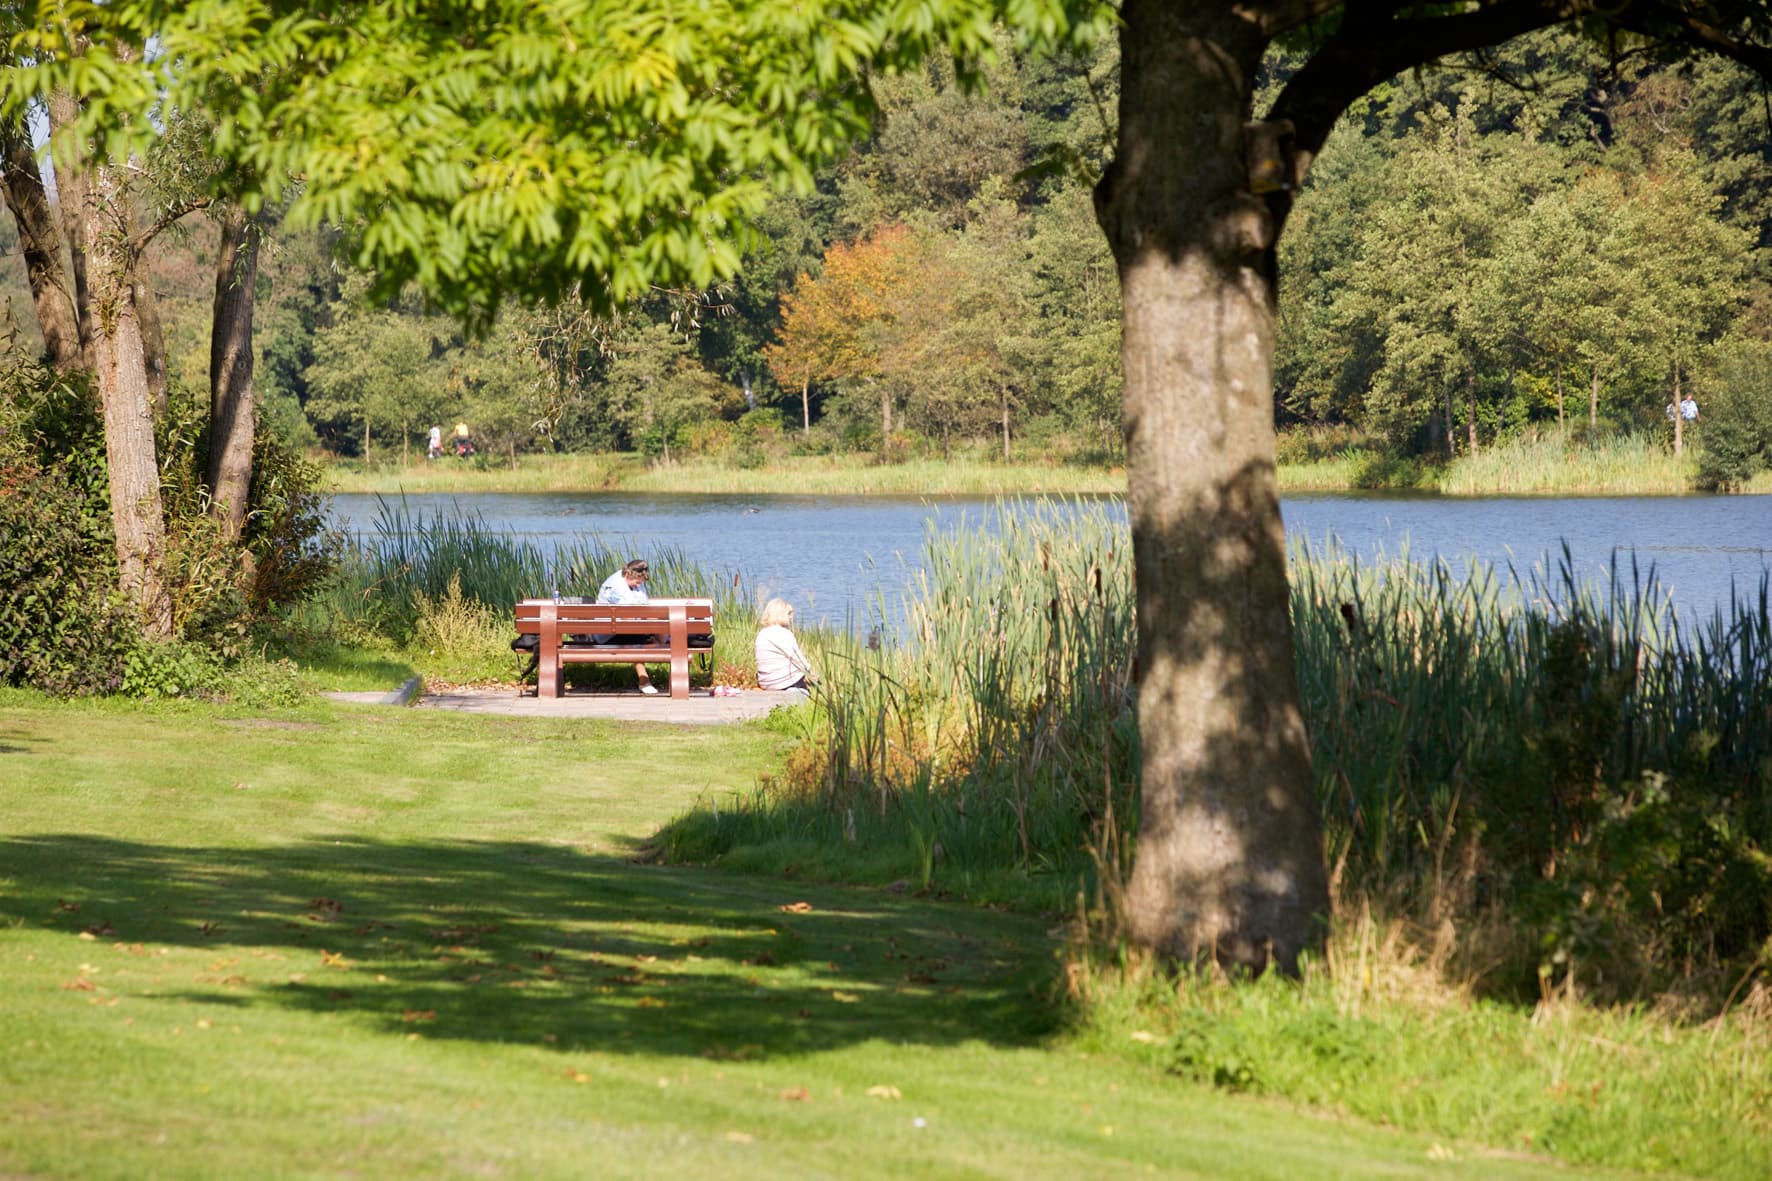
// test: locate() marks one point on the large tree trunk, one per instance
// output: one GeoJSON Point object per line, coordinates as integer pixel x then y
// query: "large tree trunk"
{"type": "Point", "coordinates": [119, 365]}
{"type": "Point", "coordinates": [232, 405]}
{"type": "Point", "coordinates": [1230, 859]}
{"type": "Point", "coordinates": [40, 241]}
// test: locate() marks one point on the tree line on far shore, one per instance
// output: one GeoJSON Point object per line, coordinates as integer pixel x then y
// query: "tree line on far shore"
{"type": "Point", "coordinates": [1545, 237]}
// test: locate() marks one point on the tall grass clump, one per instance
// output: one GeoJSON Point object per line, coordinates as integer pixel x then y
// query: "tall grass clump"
{"type": "Point", "coordinates": [980, 739]}
{"type": "Point", "coordinates": [1560, 786]}
{"type": "Point", "coordinates": [1639, 464]}
{"type": "Point", "coordinates": [424, 577]}
{"type": "Point", "coordinates": [1566, 763]}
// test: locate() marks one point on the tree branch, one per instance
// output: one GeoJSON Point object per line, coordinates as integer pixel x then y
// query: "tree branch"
{"type": "Point", "coordinates": [1373, 45]}
{"type": "Point", "coordinates": [168, 216]}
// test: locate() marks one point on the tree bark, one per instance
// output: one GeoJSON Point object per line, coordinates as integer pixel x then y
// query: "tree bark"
{"type": "Point", "coordinates": [1230, 861]}
{"type": "Point", "coordinates": [119, 365]}
{"type": "Point", "coordinates": [232, 399]}
{"type": "Point", "coordinates": [1470, 390]}
{"type": "Point", "coordinates": [1005, 426]}
{"type": "Point", "coordinates": [1593, 402]}
{"type": "Point", "coordinates": [147, 310]}
{"type": "Point", "coordinates": [71, 198]}
{"type": "Point", "coordinates": [40, 241]}
{"type": "Point", "coordinates": [806, 408]}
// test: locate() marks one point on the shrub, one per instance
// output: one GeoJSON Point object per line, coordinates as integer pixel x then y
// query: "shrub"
{"type": "Point", "coordinates": [1737, 437]}
{"type": "Point", "coordinates": [60, 620]}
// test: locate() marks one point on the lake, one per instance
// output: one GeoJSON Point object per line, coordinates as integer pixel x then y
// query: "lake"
{"type": "Point", "coordinates": [826, 555]}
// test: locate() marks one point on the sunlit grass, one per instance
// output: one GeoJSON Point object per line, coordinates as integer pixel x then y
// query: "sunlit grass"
{"type": "Point", "coordinates": [850, 475]}
{"type": "Point", "coordinates": [1630, 465]}
{"type": "Point", "coordinates": [390, 943]}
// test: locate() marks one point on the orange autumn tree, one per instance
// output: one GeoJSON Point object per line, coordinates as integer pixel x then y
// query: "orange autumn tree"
{"type": "Point", "coordinates": [839, 325]}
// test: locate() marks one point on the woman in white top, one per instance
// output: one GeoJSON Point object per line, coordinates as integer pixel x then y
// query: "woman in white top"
{"type": "Point", "coordinates": [780, 663]}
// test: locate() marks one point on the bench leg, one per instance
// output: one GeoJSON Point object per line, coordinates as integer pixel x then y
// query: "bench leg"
{"type": "Point", "coordinates": [547, 676]}
{"type": "Point", "coordinates": [679, 678]}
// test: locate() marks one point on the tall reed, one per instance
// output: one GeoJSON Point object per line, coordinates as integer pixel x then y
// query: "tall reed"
{"type": "Point", "coordinates": [1574, 759]}
{"type": "Point", "coordinates": [408, 555]}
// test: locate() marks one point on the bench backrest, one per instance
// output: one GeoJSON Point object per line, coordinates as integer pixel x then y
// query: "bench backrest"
{"type": "Point", "coordinates": [601, 618]}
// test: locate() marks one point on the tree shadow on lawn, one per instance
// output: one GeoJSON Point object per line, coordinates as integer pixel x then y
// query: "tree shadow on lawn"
{"type": "Point", "coordinates": [524, 942]}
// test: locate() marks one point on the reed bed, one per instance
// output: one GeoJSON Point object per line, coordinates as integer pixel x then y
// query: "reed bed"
{"type": "Point", "coordinates": [409, 561]}
{"type": "Point", "coordinates": [1571, 765]}
{"type": "Point", "coordinates": [1545, 464]}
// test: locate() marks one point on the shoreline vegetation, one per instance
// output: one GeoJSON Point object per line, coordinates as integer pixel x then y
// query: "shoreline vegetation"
{"type": "Point", "coordinates": [1544, 466]}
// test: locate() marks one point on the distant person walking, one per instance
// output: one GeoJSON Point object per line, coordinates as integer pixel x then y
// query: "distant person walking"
{"type": "Point", "coordinates": [434, 448]}
{"type": "Point", "coordinates": [464, 441]}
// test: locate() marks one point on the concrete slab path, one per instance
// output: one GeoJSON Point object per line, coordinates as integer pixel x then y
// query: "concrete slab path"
{"type": "Point", "coordinates": [702, 708]}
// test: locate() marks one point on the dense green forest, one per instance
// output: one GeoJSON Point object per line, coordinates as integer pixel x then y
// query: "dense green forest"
{"type": "Point", "coordinates": [1546, 239]}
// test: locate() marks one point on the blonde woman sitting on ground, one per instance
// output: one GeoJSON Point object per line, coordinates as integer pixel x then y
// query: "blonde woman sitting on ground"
{"type": "Point", "coordinates": [780, 663]}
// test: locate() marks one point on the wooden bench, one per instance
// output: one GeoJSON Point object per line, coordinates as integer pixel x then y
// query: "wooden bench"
{"type": "Point", "coordinates": [563, 634]}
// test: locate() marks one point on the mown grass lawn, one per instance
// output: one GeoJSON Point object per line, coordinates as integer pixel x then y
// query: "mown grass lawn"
{"type": "Point", "coordinates": [381, 943]}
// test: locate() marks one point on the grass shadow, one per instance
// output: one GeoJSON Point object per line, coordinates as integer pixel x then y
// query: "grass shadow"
{"type": "Point", "coordinates": [527, 942]}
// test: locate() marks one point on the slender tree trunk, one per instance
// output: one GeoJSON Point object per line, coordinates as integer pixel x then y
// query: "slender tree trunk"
{"type": "Point", "coordinates": [806, 408]}
{"type": "Point", "coordinates": [1470, 389]}
{"type": "Point", "coordinates": [885, 421]}
{"type": "Point", "coordinates": [71, 198]}
{"type": "Point", "coordinates": [1593, 402]}
{"type": "Point", "coordinates": [233, 413]}
{"type": "Point", "coordinates": [1562, 428]}
{"type": "Point", "coordinates": [1451, 426]}
{"type": "Point", "coordinates": [40, 241]}
{"type": "Point", "coordinates": [1679, 414]}
{"type": "Point", "coordinates": [119, 365]}
{"type": "Point", "coordinates": [1005, 426]}
{"type": "Point", "coordinates": [1230, 859]}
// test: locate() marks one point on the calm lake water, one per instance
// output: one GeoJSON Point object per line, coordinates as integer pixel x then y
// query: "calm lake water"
{"type": "Point", "coordinates": [826, 555]}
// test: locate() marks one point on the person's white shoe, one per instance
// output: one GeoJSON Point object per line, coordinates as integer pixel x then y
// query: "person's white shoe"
{"type": "Point", "coordinates": [649, 690]}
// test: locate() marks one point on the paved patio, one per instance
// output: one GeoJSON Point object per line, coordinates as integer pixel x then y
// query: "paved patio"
{"type": "Point", "coordinates": [702, 708]}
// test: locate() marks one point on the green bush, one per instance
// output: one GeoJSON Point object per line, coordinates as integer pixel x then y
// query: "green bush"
{"type": "Point", "coordinates": [1737, 438]}
{"type": "Point", "coordinates": [61, 624]}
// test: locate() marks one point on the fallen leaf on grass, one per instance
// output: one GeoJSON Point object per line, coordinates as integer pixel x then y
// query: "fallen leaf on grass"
{"type": "Point", "coordinates": [796, 908]}
{"type": "Point", "coordinates": [740, 1137]}
{"type": "Point", "coordinates": [98, 929]}
{"type": "Point", "coordinates": [885, 1092]}
{"type": "Point", "coordinates": [412, 1015]}
{"type": "Point", "coordinates": [78, 984]}
{"type": "Point", "coordinates": [333, 959]}
{"type": "Point", "coordinates": [578, 1076]}
{"type": "Point", "coordinates": [71, 907]}
{"type": "Point", "coordinates": [1144, 1035]}
{"type": "Point", "coordinates": [797, 1095]}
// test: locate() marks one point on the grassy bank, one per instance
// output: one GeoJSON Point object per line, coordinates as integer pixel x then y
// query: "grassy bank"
{"type": "Point", "coordinates": [803, 475]}
{"type": "Point", "coordinates": [320, 942]}
{"type": "Point", "coordinates": [1541, 465]}
{"type": "Point", "coordinates": [1326, 463]}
